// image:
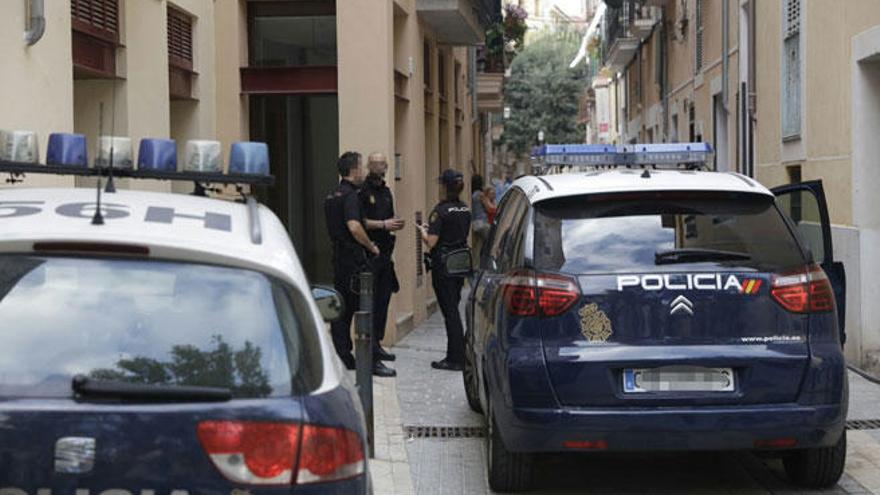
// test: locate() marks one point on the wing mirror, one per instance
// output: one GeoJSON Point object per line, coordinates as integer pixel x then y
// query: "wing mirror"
{"type": "Point", "coordinates": [330, 303]}
{"type": "Point", "coordinates": [458, 263]}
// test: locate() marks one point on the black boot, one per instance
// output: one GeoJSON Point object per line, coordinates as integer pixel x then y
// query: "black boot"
{"type": "Point", "coordinates": [379, 369]}
{"type": "Point", "coordinates": [446, 364]}
{"type": "Point", "coordinates": [380, 354]}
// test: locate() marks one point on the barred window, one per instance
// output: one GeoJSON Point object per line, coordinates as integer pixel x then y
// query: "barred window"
{"type": "Point", "coordinates": [698, 39]}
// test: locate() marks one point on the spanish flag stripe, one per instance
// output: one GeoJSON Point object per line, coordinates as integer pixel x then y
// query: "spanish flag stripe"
{"type": "Point", "coordinates": [757, 286]}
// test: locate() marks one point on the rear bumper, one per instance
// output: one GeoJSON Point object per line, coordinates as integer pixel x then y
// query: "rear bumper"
{"type": "Point", "coordinates": [669, 429]}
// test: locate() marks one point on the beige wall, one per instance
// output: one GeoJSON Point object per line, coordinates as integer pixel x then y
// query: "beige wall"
{"type": "Point", "coordinates": [36, 87]}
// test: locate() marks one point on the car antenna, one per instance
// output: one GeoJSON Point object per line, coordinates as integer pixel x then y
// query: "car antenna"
{"type": "Point", "coordinates": [98, 218]}
{"type": "Point", "coordinates": [111, 187]}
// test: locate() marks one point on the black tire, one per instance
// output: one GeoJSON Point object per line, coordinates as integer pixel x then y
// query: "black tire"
{"type": "Point", "coordinates": [508, 471]}
{"type": "Point", "coordinates": [469, 376]}
{"type": "Point", "coordinates": [821, 467]}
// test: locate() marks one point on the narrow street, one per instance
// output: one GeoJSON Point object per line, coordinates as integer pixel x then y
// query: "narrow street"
{"type": "Point", "coordinates": [445, 449]}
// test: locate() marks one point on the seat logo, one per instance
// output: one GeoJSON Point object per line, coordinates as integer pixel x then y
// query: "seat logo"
{"type": "Point", "coordinates": [681, 304]}
{"type": "Point", "coordinates": [74, 455]}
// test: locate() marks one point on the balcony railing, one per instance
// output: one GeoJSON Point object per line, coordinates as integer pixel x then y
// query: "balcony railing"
{"type": "Point", "coordinates": [619, 41]}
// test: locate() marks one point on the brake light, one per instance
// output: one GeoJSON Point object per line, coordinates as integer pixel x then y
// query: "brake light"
{"type": "Point", "coordinates": [804, 291]}
{"type": "Point", "coordinates": [775, 443]}
{"type": "Point", "coordinates": [585, 444]}
{"type": "Point", "coordinates": [259, 453]}
{"type": "Point", "coordinates": [527, 293]}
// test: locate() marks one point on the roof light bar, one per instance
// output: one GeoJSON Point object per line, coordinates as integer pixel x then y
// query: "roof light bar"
{"type": "Point", "coordinates": [19, 146]}
{"type": "Point", "coordinates": [247, 157]}
{"type": "Point", "coordinates": [157, 154]}
{"type": "Point", "coordinates": [202, 156]}
{"type": "Point", "coordinates": [115, 150]}
{"type": "Point", "coordinates": [66, 154]}
{"type": "Point", "coordinates": [668, 153]}
{"type": "Point", "coordinates": [68, 150]}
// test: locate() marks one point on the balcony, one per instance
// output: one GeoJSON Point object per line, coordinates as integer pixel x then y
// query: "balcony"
{"type": "Point", "coordinates": [657, 3]}
{"type": "Point", "coordinates": [645, 20]}
{"type": "Point", "coordinates": [490, 92]}
{"type": "Point", "coordinates": [620, 42]}
{"type": "Point", "coordinates": [456, 22]}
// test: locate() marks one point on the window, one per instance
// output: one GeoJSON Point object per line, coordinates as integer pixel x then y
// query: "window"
{"type": "Point", "coordinates": [441, 73]}
{"type": "Point", "coordinates": [426, 61]}
{"type": "Point", "coordinates": [791, 71]}
{"type": "Point", "coordinates": [698, 40]}
{"type": "Point", "coordinates": [97, 18]}
{"type": "Point", "coordinates": [95, 26]}
{"type": "Point", "coordinates": [244, 330]}
{"type": "Point", "coordinates": [511, 211]}
{"type": "Point", "coordinates": [292, 34]}
{"type": "Point", "coordinates": [574, 235]}
{"type": "Point", "coordinates": [180, 54]}
{"type": "Point", "coordinates": [180, 39]}
{"type": "Point", "coordinates": [457, 88]}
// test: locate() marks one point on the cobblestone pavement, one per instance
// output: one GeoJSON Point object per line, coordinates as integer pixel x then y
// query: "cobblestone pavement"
{"type": "Point", "coordinates": [439, 466]}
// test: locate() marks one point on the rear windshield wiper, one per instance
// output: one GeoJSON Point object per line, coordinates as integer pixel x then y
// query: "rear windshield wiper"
{"type": "Point", "coordinates": [91, 388]}
{"type": "Point", "coordinates": [685, 255]}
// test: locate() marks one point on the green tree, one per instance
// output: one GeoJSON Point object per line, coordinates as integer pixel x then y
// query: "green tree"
{"type": "Point", "coordinates": [543, 93]}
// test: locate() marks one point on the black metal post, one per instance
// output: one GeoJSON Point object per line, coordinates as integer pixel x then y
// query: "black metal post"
{"type": "Point", "coordinates": [364, 352]}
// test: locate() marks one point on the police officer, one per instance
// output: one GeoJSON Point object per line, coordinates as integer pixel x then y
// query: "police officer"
{"type": "Point", "coordinates": [448, 228]}
{"type": "Point", "coordinates": [352, 249]}
{"type": "Point", "coordinates": [377, 205]}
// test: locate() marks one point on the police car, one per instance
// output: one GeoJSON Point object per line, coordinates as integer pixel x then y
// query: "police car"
{"type": "Point", "coordinates": [169, 345]}
{"type": "Point", "coordinates": [647, 305]}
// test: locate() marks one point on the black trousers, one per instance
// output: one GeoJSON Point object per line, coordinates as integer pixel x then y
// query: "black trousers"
{"type": "Point", "coordinates": [344, 280]}
{"type": "Point", "coordinates": [448, 292]}
{"type": "Point", "coordinates": [384, 284]}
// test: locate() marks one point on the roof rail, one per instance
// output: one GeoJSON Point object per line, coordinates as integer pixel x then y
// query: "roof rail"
{"type": "Point", "coordinates": [256, 230]}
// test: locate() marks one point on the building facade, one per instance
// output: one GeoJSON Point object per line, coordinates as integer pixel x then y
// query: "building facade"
{"type": "Point", "coordinates": [311, 78]}
{"type": "Point", "coordinates": [784, 91]}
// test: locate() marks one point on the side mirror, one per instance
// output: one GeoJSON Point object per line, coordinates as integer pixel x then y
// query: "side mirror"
{"type": "Point", "coordinates": [330, 303]}
{"type": "Point", "coordinates": [458, 263]}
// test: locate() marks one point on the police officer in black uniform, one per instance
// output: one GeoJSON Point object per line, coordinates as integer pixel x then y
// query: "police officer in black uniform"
{"type": "Point", "coordinates": [352, 253]}
{"type": "Point", "coordinates": [377, 205]}
{"type": "Point", "coordinates": [448, 228]}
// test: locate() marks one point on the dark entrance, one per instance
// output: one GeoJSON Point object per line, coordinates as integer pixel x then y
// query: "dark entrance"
{"type": "Point", "coordinates": [291, 80]}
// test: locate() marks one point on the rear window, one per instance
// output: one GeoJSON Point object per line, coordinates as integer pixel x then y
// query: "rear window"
{"type": "Point", "coordinates": [146, 322]}
{"type": "Point", "coordinates": [614, 234]}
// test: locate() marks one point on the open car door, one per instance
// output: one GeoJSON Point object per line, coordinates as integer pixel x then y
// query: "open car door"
{"type": "Point", "coordinates": [806, 206]}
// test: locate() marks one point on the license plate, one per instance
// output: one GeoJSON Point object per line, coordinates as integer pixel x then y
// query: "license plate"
{"type": "Point", "coordinates": [678, 379]}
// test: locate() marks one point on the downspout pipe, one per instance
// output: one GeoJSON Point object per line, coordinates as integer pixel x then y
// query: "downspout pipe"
{"type": "Point", "coordinates": [36, 22]}
{"type": "Point", "coordinates": [725, 51]}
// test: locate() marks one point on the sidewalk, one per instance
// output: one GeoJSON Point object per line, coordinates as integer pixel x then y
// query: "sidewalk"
{"type": "Point", "coordinates": [428, 442]}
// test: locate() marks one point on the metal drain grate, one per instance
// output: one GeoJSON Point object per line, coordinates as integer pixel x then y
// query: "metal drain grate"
{"type": "Point", "coordinates": [419, 431]}
{"type": "Point", "coordinates": [863, 424]}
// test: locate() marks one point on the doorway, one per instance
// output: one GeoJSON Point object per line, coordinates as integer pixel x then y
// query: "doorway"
{"type": "Point", "coordinates": [302, 132]}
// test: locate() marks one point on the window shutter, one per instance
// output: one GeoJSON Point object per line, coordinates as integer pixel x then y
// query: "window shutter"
{"type": "Point", "coordinates": [698, 51]}
{"type": "Point", "coordinates": [180, 43]}
{"type": "Point", "coordinates": [98, 18]}
{"type": "Point", "coordinates": [791, 70]}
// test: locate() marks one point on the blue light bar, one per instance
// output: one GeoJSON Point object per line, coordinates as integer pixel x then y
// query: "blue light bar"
{"type": "Point", "coordinates": [578, 154]}
{"type": "Point", "coordinates": [67, 149]}
{"type": "Point", "coordinates": [157, 154]}
{"type": "Point", "coordinates": [249, 157]}
{"type": "Point", "coordinates": [668, 153]}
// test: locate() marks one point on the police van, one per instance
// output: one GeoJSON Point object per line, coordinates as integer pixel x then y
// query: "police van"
{"type": "Point", "coordinates": [159, 343]}
{"type": "Point", "coordinates": [634, 301]}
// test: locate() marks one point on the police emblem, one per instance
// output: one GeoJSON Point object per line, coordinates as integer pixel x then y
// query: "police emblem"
{"type": "Point", "coordinates": [433, 217]}
{"type": "Point", "coordinates": [595, 325]}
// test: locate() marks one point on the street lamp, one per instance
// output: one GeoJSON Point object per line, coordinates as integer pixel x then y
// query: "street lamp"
{"type": "Point", "coordinates": [540, 137]}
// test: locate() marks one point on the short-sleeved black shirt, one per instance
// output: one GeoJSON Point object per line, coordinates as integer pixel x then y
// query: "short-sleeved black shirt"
{"type": "Point", "coordinates": [378, 204]}
{"type": "Point", "coordinates": [450, 221]}
{"type": "Point", "coordinates": [341, 206]}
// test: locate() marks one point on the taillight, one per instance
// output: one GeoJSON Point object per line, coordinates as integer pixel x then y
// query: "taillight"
{"type": "Point", "coordinates": [527, 293]}
{"type": "Point", "coordinates": [259, 453]}
{"type": "Point", "coordinates": [804, 291]}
